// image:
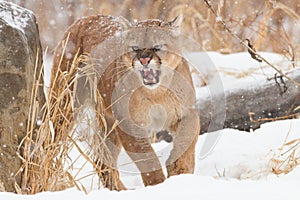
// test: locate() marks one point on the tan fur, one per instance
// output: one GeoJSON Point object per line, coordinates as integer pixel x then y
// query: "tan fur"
{"type": "Point", "coordinates": [166, 106]}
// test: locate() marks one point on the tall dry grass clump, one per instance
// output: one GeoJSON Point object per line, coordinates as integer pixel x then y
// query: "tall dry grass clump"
{"type": "Point", "coordinates": [45, 151]}
{"type": "Point", "coordinates": [46, 147]}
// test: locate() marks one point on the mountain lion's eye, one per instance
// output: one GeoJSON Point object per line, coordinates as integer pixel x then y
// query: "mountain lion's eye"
{"type": "Point", "coordinates": [157, 47]}
{"type": "Point", "coordinates": [134, 48]}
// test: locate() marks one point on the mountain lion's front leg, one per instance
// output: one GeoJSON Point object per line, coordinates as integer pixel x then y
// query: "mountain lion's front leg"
{"type": "Point", "coordinates": [144, 157]}
{"type": "Point", "coordinates": [182, 157]}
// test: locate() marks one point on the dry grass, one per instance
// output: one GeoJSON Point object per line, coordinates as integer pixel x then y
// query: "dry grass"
{"type": "Point", "coordinates": [45, 149]}
{"type": "Point", "coordinates": [286, 158]}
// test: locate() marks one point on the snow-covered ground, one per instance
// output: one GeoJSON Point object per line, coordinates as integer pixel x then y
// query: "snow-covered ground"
{"type": "Point", "coordinates": [238, 168]}
{"type": "Point", "coordinates": [240, 165]}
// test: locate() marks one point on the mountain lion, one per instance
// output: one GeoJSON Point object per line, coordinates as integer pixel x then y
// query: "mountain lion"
{"type": "Point", "coordinates": [146, 89]}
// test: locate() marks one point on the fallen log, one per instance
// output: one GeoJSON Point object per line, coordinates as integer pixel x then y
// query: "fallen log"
{"type": "Point", "coordinates": [248, 108]}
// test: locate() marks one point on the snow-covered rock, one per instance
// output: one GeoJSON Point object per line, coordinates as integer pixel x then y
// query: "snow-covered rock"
{"type": "Point", "coordinates": [20, 62]}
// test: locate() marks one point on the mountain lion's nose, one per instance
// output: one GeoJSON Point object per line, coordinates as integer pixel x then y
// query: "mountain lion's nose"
{"type": "Point", "coordinates": [145, 61]}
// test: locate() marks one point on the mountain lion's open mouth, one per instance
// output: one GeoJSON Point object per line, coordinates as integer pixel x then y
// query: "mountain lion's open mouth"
{"type": "Point", "coordinates": [150, 76]}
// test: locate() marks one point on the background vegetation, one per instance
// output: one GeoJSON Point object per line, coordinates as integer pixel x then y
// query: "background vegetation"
{"type": "Point", "coordinates": [271, 25]}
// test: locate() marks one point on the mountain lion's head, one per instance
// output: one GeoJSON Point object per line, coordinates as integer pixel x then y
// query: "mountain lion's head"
{"type": "Point", "coordinates": [151, 49]}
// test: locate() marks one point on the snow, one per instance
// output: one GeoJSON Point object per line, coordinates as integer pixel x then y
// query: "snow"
{"type": "Point", "coordinates": [15, 16]}
{"type": "Point", "coordinates": [250, 152]}
{"type": "Point", "coordinates": [238, 167]}
{"type": "Point", "coordinates": [184, 187]}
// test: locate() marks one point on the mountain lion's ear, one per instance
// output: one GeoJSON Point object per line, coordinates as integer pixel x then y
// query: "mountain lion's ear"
{"type": "Point", "coordinates": [177, 21]}
{"type": "Point", "coordinates": [125, 24]}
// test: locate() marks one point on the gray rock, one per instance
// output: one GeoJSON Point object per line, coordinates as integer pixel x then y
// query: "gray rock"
{"type": "Point", "coordinates": [20, 65]}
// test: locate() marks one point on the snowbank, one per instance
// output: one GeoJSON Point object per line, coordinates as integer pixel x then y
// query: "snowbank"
{"type": "Point", "coordinates": [238, 168]}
